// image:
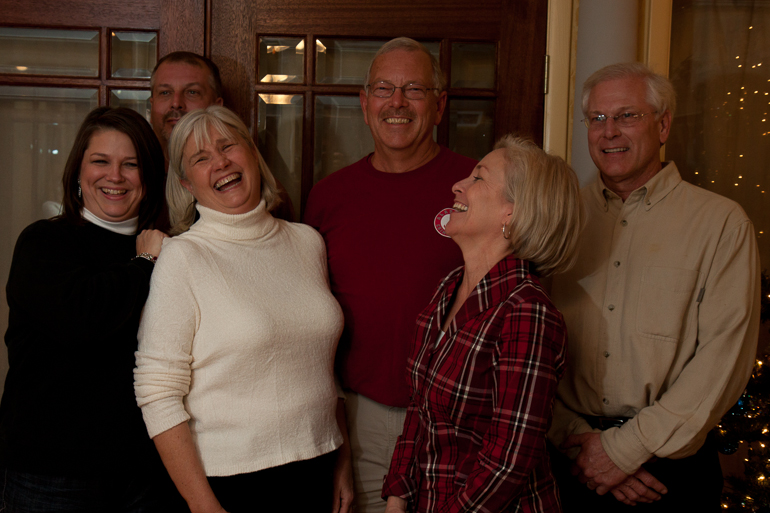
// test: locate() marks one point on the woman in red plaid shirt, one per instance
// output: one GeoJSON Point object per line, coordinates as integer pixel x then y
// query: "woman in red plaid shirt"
{"type": "Point", "coordinates": [490, 348]}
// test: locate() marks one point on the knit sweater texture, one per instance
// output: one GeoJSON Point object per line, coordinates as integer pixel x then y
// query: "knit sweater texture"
{"type": "Point", "coordinates": [238, 339]}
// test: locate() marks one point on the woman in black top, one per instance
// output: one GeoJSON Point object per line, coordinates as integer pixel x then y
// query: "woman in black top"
{"type": "Point", "coordinates": [71, 435]}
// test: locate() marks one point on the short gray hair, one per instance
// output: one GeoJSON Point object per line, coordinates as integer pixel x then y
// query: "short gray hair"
{"type": "Point", "coordinates": [548, 214]}
{"type": "Point", "coordinates": [196, 123]}
{"type": "Point", "coordinates": [410, 45]}
{"type": "Point", "coordinates": [660, 91]}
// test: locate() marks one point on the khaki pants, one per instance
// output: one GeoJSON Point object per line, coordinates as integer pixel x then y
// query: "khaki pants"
{"type": "Point", "coordinates": [373, 429]}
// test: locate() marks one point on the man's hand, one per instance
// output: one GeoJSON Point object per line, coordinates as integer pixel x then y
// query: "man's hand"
{"type": "Point", "coordinates": [592, 465]}
{"type": "Point", "coordinates": [594, 468]}
{"type": "Point", "coordinates": [640, 487]}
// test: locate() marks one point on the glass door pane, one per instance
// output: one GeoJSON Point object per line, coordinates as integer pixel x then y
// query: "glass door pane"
{"type": "Point", "coordinates": [281, 59]}
{"type": "Point", "coordinates": [340, 61]}
{"type": "Point", "coordinates": [473, 65]}
{"type": "Point", "coordinates": [37, 128]}
{"type": "Point", "coordinates": [341, 135]}
{"type": "Point", "coordinates": [139, 100]}
{"type": "Point", "coordinates": [279, 141]}
{"type": "Point", "coordinates": [133, 54]}
{"type": "Point", "coordinates": [49, 52]}
{"type": "Point", "coordinates": [472, 127]}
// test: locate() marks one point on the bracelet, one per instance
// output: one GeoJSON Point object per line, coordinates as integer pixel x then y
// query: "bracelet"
{"type": "Point", "coordinates": [146, 256]}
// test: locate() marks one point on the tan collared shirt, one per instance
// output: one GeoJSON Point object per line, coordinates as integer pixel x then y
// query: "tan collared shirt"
{"type": "Point", "coordinates": [662, 311]}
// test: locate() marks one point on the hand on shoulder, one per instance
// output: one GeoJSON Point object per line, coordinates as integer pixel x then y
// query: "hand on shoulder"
{"type": "Point", "coordinates": [150, 241]}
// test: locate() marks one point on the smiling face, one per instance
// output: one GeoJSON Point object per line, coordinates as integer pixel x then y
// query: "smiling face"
{"type": "Point", "coordinates": [398, 123]}
{"type": "Point", "coordinates": [627, 157]}
{"type": "Point", "coordinates": [480, 202]}
{"type": "Point", "coordinates": [223, 173]}
{"type": "Point", "coordinates": [178, 87]}
{"type": "Point", "coordinates": [110, 179]}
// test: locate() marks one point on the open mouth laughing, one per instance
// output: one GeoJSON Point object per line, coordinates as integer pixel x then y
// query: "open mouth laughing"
{"type": "Point", "coordinates": [228, 182]}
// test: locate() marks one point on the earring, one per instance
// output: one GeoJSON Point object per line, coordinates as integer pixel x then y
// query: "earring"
{"type": "Point", "coordinates": [80, 193]}
{"type": "Point", "coordinates": [504, 236]}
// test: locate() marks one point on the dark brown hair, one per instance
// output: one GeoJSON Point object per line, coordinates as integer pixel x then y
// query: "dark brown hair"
{"type": "Point", "coordinates": [149, 156]}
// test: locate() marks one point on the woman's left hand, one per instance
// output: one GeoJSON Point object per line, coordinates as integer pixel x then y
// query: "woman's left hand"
{"type": "Point", "coordinates": [343, 469]}
{"type": "Point", "coordinates": [343, 483]}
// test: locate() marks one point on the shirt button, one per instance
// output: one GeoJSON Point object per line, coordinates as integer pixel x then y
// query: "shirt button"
{"type": "Point", "coordinates": [616, 263]}
{"type": "Point", "coordinates": [605, 401]}
{"type": "Point", "coordinates": [606, 354]}
{"type": "Point", "coordinates": [624, 222]}
{"type": "Point", "coordinates": [611, 307]}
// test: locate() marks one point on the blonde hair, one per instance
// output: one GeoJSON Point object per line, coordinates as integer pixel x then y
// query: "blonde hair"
{"type": "Point", "coordinates": [197, 123]}
{"type": "Point", "coordinates": [548, 213]}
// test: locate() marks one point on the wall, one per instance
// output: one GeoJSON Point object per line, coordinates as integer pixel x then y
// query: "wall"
{"type": "Point", "coordinates": [607, 33]}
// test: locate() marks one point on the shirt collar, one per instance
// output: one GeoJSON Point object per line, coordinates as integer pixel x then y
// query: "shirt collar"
{"type": "Point", "coordinates": [497, 285]}
{"type": "Point", "coordinates": [651, 192]}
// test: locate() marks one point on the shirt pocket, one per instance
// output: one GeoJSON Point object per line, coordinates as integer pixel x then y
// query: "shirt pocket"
{"type": "Point", "coordinates": [665, 297]}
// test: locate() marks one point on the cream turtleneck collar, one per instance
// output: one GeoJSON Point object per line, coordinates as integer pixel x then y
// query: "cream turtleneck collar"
{"type": "Point", "coordinates": [253, 225]}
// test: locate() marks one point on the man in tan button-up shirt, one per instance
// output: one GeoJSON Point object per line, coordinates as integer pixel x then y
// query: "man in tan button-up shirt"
{"type": "Point", "coordinates": [662, 310]}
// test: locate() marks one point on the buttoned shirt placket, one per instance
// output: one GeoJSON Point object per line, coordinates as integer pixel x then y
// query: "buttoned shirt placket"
{"type": "Point", "coordinates": [621, 215]}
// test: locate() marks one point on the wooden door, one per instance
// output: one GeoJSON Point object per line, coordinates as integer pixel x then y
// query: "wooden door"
{"type": "Point", "coordinates": [238, 33]}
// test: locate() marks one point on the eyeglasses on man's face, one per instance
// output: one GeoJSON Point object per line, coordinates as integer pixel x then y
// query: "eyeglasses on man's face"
{"type": "Point", "coordinates": [410, 91]}
{"type": "Point", "coordinates": [623, 120]}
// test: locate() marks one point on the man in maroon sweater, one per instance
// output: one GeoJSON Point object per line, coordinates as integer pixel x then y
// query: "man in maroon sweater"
{"type": "Point", "coordinates": [385, 257]}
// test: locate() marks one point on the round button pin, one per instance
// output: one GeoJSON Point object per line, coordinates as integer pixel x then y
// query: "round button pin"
{"type": "Point", "coordinates": [441, 220]}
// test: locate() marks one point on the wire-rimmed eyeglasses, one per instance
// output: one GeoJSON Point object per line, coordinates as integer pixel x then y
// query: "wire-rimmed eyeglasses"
{"type": "Point", "coordinates": [623, 120]}
{"type": "Point", "coordinates": [410, 91]}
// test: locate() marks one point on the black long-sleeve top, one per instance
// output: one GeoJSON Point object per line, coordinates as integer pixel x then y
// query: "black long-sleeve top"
{"type": "Point", "coordinates": [75, 297]}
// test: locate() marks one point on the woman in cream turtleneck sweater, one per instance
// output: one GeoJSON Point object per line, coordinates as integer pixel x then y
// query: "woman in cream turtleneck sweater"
{"type": "Point", "coordinates": [236, 346]}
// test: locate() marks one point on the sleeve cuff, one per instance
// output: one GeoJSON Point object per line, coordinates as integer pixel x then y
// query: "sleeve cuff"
{"type": "Point", "coordinates": [624, 448]}
{"type": "Point", "coordinates": [154, 428]}
{"type": "Point", "coordinates": [398, 486]}
{"type": "Point", "coordinates": [145, 265]}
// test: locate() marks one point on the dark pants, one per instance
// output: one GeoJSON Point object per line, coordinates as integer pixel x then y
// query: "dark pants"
{"type": "Point", "coordinates": [299, 486]}
{"type": "Point", "coordinates": [24, 492]}
{"type": "Point", "coordinates": [693, 483]}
